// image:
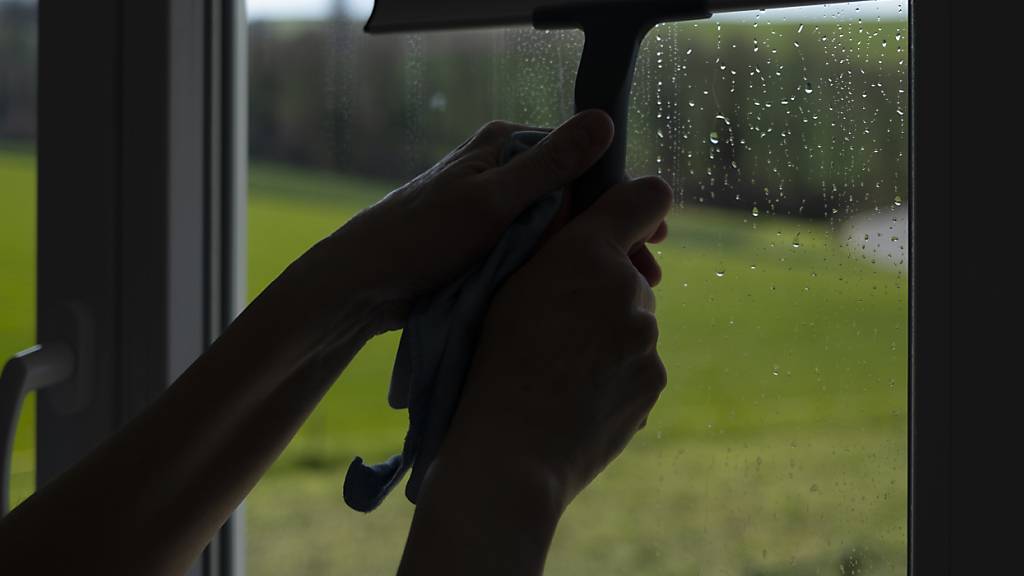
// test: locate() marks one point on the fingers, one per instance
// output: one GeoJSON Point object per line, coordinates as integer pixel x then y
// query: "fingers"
{"type": "Point", "coordinates": [648, 378]}
{"type": "Point", "coordinates": [495, 134]}
{"type": "Point", "coordinates": [560, 158]}
{"type": "Point", "coordinates": [660, 234]}
{"type": "Point", "coordinates": [630, 213]}
{"type": "Point", "coordinates": [644, 299]}
{"type": "Point", "coordinates": [646, 264]}
{"type": "Point", "coordinates": [646, 381]}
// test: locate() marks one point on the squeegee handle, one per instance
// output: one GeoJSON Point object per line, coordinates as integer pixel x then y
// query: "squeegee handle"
{"type": "Point", "coordinates": [614, 31]}
{"type": "Point", "coordinates": [603, 81]}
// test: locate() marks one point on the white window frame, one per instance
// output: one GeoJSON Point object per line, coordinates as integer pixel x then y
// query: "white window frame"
{"type": "Point", "coordinates": [141, 209]}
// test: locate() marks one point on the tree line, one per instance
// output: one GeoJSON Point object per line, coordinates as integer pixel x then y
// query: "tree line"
{"type": "Point", "coordinates": [796, 118]}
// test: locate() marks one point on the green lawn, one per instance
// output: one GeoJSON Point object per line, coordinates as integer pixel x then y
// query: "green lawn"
{"type": "Point", "coordinates": [779, 447]}
{"type": "Point", "coordinates": [17, 294]}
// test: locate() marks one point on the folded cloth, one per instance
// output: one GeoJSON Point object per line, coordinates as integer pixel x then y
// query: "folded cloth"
{"type": "Point", "coordinates": [437, 347]}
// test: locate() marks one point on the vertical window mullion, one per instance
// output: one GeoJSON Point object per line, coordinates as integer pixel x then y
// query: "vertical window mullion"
{"type": "Point", "coordinates": [140, 193]}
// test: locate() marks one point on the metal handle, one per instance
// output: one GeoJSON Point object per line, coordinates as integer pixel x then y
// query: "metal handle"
{"type": "Point", "coordinates": [32, 369]}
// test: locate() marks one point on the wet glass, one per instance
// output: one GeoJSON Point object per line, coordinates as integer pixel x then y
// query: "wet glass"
{"type": "Point", "coordinates": [18, 58]}
{"type": "Point", "coordinates": [780, 444]}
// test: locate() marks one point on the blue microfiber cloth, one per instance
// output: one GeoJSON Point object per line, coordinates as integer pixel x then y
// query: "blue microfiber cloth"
{"type": "Point", "coordinates": [437, 347]}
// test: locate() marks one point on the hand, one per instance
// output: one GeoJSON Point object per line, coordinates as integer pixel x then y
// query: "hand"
{"type": "Point", "coordinates": [567, 367]}
{"type": "Point", "coordinates": [565, 373]}
{"type": "Point", "coordinates": [427, 233]}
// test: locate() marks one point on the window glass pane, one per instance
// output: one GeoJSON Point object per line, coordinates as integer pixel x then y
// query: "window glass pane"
{"type": "Point", "coordinates": [780, 445]}
{"type": "Point", "coordinates": [18, 41]}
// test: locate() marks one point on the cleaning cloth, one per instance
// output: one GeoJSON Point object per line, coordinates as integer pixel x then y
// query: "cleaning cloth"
{"type": "Point", "coordinates": [437, 347]}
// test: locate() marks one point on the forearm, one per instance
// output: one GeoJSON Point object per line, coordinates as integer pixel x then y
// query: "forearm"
{"type": "Point", "coordinates": [485, 516]}
{"type": "Point", "coordinates": [151, 497]}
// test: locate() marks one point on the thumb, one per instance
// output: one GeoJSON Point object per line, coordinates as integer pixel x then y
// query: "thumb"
{"type": "Point", "coordinates": [631, 212]}
{"type": "Point", "coordinates": [561, 157]}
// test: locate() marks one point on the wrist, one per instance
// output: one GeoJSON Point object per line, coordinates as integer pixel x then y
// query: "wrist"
{"type": "Point", "coordinates": [482, 517]}
{"type": "Point", "coordinates": [499, 476]}
{"type": "Point", "coordinates": [362, 276]}
{"type": "Point", "coordinates": [313, 304]}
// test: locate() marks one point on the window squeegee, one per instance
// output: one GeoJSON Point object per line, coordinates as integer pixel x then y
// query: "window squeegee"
{"type": "Point", "coordinates": [613, 30]}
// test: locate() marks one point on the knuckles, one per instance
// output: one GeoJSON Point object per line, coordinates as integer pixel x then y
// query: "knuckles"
{"type": "Point", "coordinates": [624, 284]}
{"type": "Point", "coordinates": [659, 375]}
{"type": "Point", "coordinates": [650, 194]}
{"type": "Point", "coordinates": [634, 336]}
{"type": "Point", "coordinates": [651, 376]}
{"type": "Point", "coordinates": [644, 329]}
{"type": "Point", "coordinates": [658, 190]}
{"type": "Point", "coordinates": [493, 131]}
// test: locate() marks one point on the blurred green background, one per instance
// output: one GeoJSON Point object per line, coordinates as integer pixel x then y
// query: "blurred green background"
{"type": "Point", "coordinates": [780, 445]}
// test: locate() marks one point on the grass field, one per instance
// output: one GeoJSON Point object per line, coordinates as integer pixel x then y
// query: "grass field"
{"type": "Point", "coordinates": [779, 447]}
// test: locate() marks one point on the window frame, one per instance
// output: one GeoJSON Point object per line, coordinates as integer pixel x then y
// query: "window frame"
{"type": "Point", "coordinates": [170, 77]}
{"type": "Point", "coordinates": [929, 516]}
{"type": "Point", "coordinates": [141, 211]}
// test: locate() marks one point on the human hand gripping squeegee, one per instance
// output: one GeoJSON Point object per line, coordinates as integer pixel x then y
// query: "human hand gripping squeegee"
{"type": "Point", "coordinates": [613, 29]}
{"type": "Point", "coordinates": [440, 335]}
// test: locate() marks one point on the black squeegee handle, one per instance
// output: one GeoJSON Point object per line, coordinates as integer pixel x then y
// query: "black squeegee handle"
{"type": "Point", "coordinates": [603, 81]}
{"type": "Point", "coordinates": [605, 76]}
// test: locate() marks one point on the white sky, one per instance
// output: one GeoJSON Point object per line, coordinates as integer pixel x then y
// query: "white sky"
{"type": "Point", "coordinates": [271, 9]}
{"type": "Point", "coordinates": [303, 9]}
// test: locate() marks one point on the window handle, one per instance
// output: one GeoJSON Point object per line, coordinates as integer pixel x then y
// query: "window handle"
{"type": "Point", "coordinates": [33, 369]}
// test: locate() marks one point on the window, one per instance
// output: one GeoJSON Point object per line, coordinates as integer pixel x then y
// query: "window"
{"type": "Point", "coordinates": [17, 217]}
{"type": "Point", "coordinates": [781, 444]}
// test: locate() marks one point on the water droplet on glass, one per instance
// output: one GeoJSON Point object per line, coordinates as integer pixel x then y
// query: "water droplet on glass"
{"type": "Point", "coordinates": [800, 29]}
{"type": "Point", "coordinates": [720, 273]}
{"type": "Point", "coordinates": [438, 102]}
{"type": "Point", "coordinates": [660, 134]}
{"type": "Point", "coordinates": [808, 89]}
{"type": "Point", "coordinates": [755, 213]}
{"type": "Point", "coordinates": [898, 201]}
{"type": "Point", "coordinates": [714, 138]}
{"type": "Point", "coordinates": [796, 241]}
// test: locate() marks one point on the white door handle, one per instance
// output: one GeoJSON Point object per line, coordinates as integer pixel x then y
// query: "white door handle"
{"type": "Point", "coordinates": [32, 369]}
